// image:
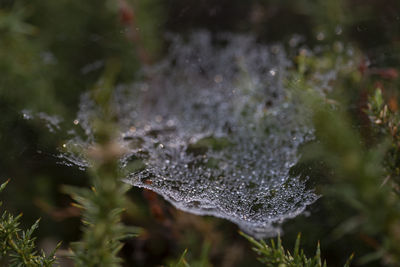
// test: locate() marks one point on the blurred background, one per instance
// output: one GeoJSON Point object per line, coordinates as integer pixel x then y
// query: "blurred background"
{"type": "Point", "coordinates": [53, 51]}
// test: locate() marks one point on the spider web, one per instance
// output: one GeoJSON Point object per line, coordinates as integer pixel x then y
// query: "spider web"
{"type": "Point", "coordinates": [213, 129]}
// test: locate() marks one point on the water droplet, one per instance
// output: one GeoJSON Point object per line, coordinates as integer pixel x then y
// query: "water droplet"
{"type": "Point", "coordinates": [275, 49]}
{"type": "Point", "coordinates": [27, 114]}
{"type": "Point", "coordinates": [338, 47]}
{"type": "Point", "coordinates": [158, 119]}
{"type": "Point", "coordinates": [338, 30]}
{"type": "Point", "coordinates": [144, 87]}
{"type": "Point", "coordinates": [147, 128]}
{"type": "Point", "coordinates": [360, 28]}
{"type": "Point", "coordinates": [218, 78]}
{"type": "Point", "coordinates": [320, 36]}
{"type": "Point", "coordinates": [295, 40]}
{"type": "Point", "coordinates": [170, 123]}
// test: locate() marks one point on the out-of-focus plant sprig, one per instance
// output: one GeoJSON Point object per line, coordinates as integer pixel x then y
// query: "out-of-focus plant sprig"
{"type": "Point", "coordinates": [385, 122]}
{"type": "Point", "coordinates": [104, 203]}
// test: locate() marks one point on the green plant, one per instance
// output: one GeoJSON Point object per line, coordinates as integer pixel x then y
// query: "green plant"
{"type": "Point", "coordinates": [182, 261]}
{"type": "Point", "coordinates": [358, 164]}
{"type": "Point", "coordinates": [103, 204]}
{"type": "Point", "coordinates": [276, 255]}
{"type": "Point", "coordinates": [385, 123]}
{"type": "Point", "coordinates": [203, 261]}
{"type": "Point", "coordinates": [17, 246]}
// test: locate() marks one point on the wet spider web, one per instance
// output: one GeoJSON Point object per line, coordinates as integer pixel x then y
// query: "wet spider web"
{"type": "Point", "coordinates": [213, 129]}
